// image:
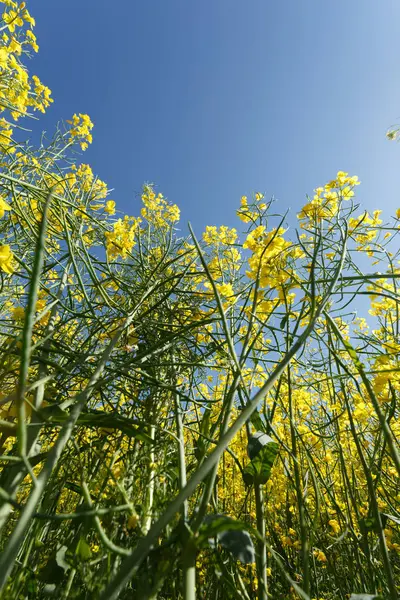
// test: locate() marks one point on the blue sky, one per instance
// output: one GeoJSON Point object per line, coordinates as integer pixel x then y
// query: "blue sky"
{"type": "Point", "coordinates": [215, 99]}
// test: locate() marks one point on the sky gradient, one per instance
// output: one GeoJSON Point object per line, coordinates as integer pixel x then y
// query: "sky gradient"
{"type": "Point", "coordinates": [215, 99]}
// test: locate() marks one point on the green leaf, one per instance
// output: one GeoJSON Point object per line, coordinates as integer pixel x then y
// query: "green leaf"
{"type": "Point", "coordinates": [369, 523]}
{"type": "Point", "coordinates": [54, 570]}
{"type": "Point", "coordinates": [83, 550]}
{"type": "Point", "coordinates": [215, 524]}
{"type": "Point", "coordinates": [32, 588]}
{"type": "Point", "coordinates": [200, 449]}
{"type": "Point", "coordinates": [263, 449]}
{"type": "Point", "coordinates": [230, 534]}
{"type": "Point", "coordinates": [366, 597]}
{"type": "Point", "coordinates": [49, 590]}
{"type": "Point", "coordinates": [100, 419]}
{"type": "Point", "coordinates": [256, 420]}
{"type": "Point", "coordinates": [205, 422]}
{"type": "Point", "coordinates": [391, 517]}
{"type": "Point", "coordinates": [201, 445]}
{"type": "Point", "coordinates": [256, 443]}
{"type": "Point", "coordinates": [53, 414]}
{"type": "Point", "coordinates": [60, 558]}
{"type": "Point", "coordinates": [52, 573]}
{"type": "Point", "coordinates": [74, 487]}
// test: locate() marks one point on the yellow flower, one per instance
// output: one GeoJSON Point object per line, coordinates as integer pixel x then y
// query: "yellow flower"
{"type": "Point", "coordinates": [110, 207]}
{"type": "Point", "coordinates": [286, 541]}
{"type": "Point", "coordinates": [335, 525]}
{"type": "Point", "coordinates": [3, 207]}
{"type": "Point", "coordinates": [42, 99]}
{"type": "Point", "coordinates": [156, 209]}
{"type": "Point", "coordinates": [132, 522]}
{"type": "Point", "coordinates": [121, 240]}
{"type": "Point", "coordinates": [12, 19]}
{"type": "Point", "coordinates": [27, 17]}
{"type": "Point", "coordinates": [319, 555]}
{"type": "Point", "coordinates": [81, 128]}
{"type": "Point", "coordinates": [172, 213]}
{"type": "Point", "coordinates": [223, 236]}
{"type": "Point", "coordinates": [244, 213]}
{"type": "Point", "coordinates": [226, 291]}
{"type": "Point", "coordinates": [3, 58]}
{"type": "Point", "coordinates": [15, 47]}
{"type": "Point", "coordinates": [18, 313]}
{"type": "Point", "coordinates": [99, 189]}
{"type": "Point", "coordinates": [6, 259]}
{"type": "Point", "coordinates": [81, 212]}
{"type": "Point", "coordinates": [361, 413]}
{"type": "Point", "coordinates": [31, 39]}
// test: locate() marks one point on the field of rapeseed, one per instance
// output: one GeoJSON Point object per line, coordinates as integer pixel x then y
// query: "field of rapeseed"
{"type": "Point", "coordinates": [199, 416]}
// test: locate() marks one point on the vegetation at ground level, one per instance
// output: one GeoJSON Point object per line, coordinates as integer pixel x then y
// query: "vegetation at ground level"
{"type": "Point", "coordinates": [187, 416]}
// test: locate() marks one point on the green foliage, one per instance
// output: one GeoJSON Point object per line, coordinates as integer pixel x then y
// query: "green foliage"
{"type": "Point", "coordinates": [159, 391]}
{"type": "Point", "coordinates": [262, 449]}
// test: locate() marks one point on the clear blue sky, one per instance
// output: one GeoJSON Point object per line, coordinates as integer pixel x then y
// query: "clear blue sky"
{"type": "Point", "coordinates": [215, 99]}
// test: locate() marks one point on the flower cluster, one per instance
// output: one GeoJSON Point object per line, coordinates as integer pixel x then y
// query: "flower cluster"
{"type": "Point", "coordinates": [327, 200]}
{"type": "Point", "coordinates": [120, 241]}
{"type": "Point", "coordinates": [145, 348]}
{"type": "Point", "coordinates": [81, 130]}
{"type": "Point", "coordinates": [157, 210]}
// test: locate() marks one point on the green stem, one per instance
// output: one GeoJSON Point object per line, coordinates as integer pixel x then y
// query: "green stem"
{"type": "Point", "coordinates": [262, 549]}
{"type": "Point", "coordinates": [189, 554]}
{"type": "Point", "coordinates": [28, 329]}
{"type": "Point", "coordinates": [189, 570]}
